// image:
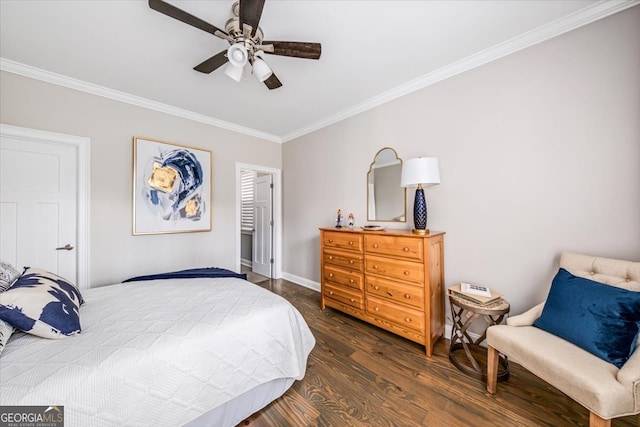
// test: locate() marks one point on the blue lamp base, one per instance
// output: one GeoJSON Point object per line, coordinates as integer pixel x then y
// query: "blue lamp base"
{"type": "Point", "coordinates": [420, 212]}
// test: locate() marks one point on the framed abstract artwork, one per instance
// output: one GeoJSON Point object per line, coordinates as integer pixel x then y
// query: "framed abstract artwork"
{"type": "Point", "coordinates": [172, 189]}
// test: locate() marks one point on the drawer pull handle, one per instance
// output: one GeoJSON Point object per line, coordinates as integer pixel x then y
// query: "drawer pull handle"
{"type": "Point", "coordinates": [375, 246]}
{"type": "Point", "coordinates": [375, 266]}
{"type": "Point", "coordinates": [350, 280]}
{"type": "Point", "coordinates": [405, 249]}
{"type": "Point", "coordinates": [352, 300]}
{"type": "Point", "coordinates": [350, 261]}
{"type": "Point", "coordinates": [407, 296]}
{"type": "Point", "coordinates": [330, 292]}
{"type": "Point", "coordinates": [330, 257]}
{"type": "Point", "coordinates": [330, 274]}
{"type": "Point", "coordinates": [350, 242]}
{"type": "Point", "coordinates": [408, 320]}
{"type": "Point", "coordinates": [376, 287]}
{"type": "Point", "coordinates": [376, 309]}
{"type": "Point", "coordinates": [406, 273]}
{"type": "Point", "coordinates": [390, 293]}
{"type": "Point", "coordinates": [330, 240]}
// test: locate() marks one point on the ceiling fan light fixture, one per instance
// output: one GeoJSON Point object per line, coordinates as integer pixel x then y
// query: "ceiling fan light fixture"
{"type": "Point", "coordinates": [236, 73]}
{"type": "Point", "coordinates": [246, 40]}
{"type": "Point", "coordinates": [238, 55]}
{"type": "Point", "coordinates": [261, 70]}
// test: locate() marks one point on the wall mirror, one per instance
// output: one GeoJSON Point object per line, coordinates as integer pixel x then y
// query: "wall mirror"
{"type": "Point", "coordinates": [386, 200]}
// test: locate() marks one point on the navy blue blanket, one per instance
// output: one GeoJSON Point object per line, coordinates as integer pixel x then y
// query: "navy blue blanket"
{"type": "Point", "coordinates": [190, 274]}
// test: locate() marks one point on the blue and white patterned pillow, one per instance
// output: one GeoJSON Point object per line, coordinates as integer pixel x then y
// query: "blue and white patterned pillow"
{"type": "Point", "coordinates": [42, 304]}
{"type": "Point", "coordinates": [5, 333]}
{"type": "Point", "coordinates": [8, 275]}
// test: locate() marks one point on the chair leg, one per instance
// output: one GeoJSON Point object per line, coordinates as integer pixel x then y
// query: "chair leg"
{"type": "Point", "coordinates": [492, 369]}
{"type": "Point", "coordinates": [596, 421]}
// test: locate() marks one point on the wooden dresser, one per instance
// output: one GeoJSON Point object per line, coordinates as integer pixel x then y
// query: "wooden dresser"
{"type": "Point", "coordinates": [392, 279]}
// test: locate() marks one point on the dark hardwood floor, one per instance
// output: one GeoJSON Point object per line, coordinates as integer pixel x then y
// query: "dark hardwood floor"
{"type": "Point", "coordinates": [359, 375]}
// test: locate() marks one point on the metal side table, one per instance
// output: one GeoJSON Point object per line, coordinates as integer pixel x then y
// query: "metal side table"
{"type": "Point", "coordinates": [465, 353]}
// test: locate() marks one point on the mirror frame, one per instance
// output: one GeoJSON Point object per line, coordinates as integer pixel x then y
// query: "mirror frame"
{"type": "Point", "coordinates": [404, 190]}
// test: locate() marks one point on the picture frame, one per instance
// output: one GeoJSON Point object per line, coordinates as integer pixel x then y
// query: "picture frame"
{"type": "Point", "coordinates": [172, 188]}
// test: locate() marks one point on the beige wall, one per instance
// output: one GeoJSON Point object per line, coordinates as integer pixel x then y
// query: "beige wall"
{"type": "Point", "coordinates": [115, 253]}
{"type": "Point", "coordinates": [539, 153]}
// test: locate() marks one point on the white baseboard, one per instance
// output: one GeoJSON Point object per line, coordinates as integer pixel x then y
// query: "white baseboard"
{"type": "Point", "coordinates": [246, 262]}
{"type": "Point", "coordinates": [473, 335]}
{"type": "Point", "coordinates": [447, 331]}
{"type": "Point", "coordinates": [315, 286]}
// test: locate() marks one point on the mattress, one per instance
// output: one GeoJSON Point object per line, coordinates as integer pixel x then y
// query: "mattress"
{"type": "Point", "coordinates": [160, 353]}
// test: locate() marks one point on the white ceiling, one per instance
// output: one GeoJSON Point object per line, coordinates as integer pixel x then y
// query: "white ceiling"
{"type": "Point", "coordinates": [372, 51]}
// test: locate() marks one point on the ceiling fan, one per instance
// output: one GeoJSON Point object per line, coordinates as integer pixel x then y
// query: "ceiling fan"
{"type": "Point", "coordinates": [246, 42]}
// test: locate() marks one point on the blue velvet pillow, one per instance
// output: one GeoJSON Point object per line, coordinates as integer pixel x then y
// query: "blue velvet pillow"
{"type": "Point", "coordinates": [42, 304]}
{"type": "Point", "coordinates": [601, 319]}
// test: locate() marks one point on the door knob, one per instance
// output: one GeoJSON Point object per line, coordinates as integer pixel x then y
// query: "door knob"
{"type": "Point", "coordinates": [67, 247]}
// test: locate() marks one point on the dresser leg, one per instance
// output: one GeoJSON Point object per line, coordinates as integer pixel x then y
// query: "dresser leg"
{"type": "Point", "coordinates": [428, 350]}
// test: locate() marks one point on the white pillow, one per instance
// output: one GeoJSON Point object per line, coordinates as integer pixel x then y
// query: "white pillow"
{"type": "Point", "coordinates": [8, 275]}
{"type": "Point", "coordinates": [5, 333]}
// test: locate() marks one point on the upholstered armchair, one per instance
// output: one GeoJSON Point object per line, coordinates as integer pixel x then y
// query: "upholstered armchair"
{"type": "Point", "coordinates": [606, 390]}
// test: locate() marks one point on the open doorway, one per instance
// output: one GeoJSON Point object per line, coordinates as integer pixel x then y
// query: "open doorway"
{"type": "Point", "coordinates": [258, 221]}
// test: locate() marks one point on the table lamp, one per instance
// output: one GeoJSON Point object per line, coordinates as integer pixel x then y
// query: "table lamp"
{"type": "Point", "coordinates": [418, 172]}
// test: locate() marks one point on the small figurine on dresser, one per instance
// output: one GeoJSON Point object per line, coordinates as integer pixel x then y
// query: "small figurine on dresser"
{"type": "Point", "coordinates": [339, 219]}
{"type": "Point", "coordinates": [351, 220]}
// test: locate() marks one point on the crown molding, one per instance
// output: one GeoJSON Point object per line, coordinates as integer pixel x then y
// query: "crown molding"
{"type": "Point", "coordinates": [587, 15]}
{"type": "Point", "coordinates": [61, 80]}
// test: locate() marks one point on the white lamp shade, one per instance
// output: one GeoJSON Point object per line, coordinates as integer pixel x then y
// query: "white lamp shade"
{"type": "Point", "coordinates": [236, 73]}
{"type": "Point", "coordinates": [422, 170]}
{"type": "Point", "coordinates": [237, 55]}
{"type": "Point", "coordinates": [261, 70]}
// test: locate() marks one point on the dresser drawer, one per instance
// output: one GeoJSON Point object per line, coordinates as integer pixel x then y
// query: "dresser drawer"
{"type": "Point", "coordinates": [396, 246]}
{"type": "Point", "coordinates": [344, 296]}
{"type": "Point", "coordinates": [402, 270]}
{"type": "Point", "coordinates": [399, 292]}
{"type": "Point", "coordinates": [351, 260]}
{"type": "Point", "coordinates": [402, 316]}
{"type": "Point", "coordinates": [342, 240]}
{"type": "Point", "coordinates": [351, 279]}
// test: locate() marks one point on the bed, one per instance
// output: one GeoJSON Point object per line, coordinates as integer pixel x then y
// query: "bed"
{"type": "Point", "coordinates": [163, 352]}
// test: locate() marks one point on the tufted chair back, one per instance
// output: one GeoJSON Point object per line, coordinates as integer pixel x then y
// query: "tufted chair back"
{"type": "Point", "coordinates": [614, 272]}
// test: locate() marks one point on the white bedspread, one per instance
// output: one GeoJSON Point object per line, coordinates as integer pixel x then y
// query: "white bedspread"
{"type": "Point", "coordinates": [159, 353]}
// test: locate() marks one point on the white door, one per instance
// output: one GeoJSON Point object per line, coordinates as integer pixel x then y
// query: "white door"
{"type": "Point", "coordinates": [38, 197]}
{"type": "Point", "coordinates": [263, 217]}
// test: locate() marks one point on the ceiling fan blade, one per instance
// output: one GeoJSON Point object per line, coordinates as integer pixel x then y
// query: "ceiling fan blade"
{"type": "Point", "coordinates": [272, 82]}
{"type": "Point", "coordinates": [179, 14]}
{"type": "Point", "coordinates": [213, 63]}
{"type": "Point", "coordinates": [295, 49]}
{"type": "Point", "coordinates": [250, 13]}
